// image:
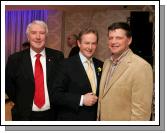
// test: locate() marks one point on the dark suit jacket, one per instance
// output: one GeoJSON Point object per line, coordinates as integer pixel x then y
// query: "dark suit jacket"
{"type": "Point", "coordinates": [71, 84]}
{"type": "Point", "coordinates": [19, 80]}
{"type": "Point", "coordinates": [74, 51]}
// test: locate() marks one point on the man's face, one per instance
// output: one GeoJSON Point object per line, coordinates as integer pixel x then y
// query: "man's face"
{"type": "Point", "coordinates": [71, 41]}
{"type": "Point", "coordinates": [118, 42]}
{"type": "Point", "coordinates": [88, 44]}
{"type": "Point", "coordinates": [37, 37]}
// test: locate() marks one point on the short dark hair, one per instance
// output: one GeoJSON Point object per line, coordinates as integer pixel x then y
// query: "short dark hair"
{"type": "Point", "coordinates": [121, 25]}
{"type": "Point", "coordinates": [86, 31]}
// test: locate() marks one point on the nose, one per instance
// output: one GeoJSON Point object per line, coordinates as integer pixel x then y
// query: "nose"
{"type": "Point", "coordinates": [90, 46]}
{"type": "Point", "coordinates": [38, 36]}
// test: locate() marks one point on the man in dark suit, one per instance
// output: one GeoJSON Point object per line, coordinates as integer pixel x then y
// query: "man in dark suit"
{"type": "Point", "coordinates": [22, 77]}
{"type": "Point", "coordinates": [75, 95]}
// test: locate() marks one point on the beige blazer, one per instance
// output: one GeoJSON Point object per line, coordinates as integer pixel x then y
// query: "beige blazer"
{"type": "Point", "coordinates": [128, 96]}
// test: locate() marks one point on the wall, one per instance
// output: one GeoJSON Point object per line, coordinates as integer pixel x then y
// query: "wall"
{"type": "Point", "coordinates": [55, 27]}
{"type": "Point", "coordinates": [61, 24]}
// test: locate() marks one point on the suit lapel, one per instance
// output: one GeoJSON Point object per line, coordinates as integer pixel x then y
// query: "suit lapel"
{"type": "Point", "coordinates": [27, 65]}
{"type": "Point", "coordinates": [116, 75]}
{"type": "Point", "coordinates": [106, 68]}
{"type": "Point", "coordinates": [98, 74]}
{"type": "Point", "coordinates": [49, 62]}
{"type": "Point", "coordinates": [96, 65]}
{"type": "Point", "coordinates": [120, 69]}
{"type": "Point", "coordinates": [81, 71]}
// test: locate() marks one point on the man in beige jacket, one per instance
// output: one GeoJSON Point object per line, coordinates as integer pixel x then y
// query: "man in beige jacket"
{"type": "Point", "coordinates": [127, 80]}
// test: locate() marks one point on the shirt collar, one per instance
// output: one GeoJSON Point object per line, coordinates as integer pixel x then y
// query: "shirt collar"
{"type": "Point", "coordinates": [33, 53]}
{"type": "Point", "coordinates": [116, 61]}
{"type": "Point", "coordinates": [83, 58]}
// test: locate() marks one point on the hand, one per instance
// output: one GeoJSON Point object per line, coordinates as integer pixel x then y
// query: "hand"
{"type": "Point", "coordinates": [89, 99]}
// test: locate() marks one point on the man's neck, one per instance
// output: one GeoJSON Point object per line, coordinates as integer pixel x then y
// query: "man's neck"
{"type": "Point", "coordinates": [116, 57]}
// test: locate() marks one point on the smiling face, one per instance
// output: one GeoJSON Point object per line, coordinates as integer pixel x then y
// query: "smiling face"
{"type": "Point", "coordinates": [37, 37]}
{"type": "Point", "coordinates": [118, 42]}
{"type": "Point", "coordinates": [88, 44]}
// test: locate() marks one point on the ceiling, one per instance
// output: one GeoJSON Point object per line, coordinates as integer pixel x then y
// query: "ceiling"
{"type": "Point", "coordinates": [73, 8]}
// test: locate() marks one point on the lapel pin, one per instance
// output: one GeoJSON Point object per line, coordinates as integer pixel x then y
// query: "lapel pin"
{"type": "Point", "coordinates": [99, 69]}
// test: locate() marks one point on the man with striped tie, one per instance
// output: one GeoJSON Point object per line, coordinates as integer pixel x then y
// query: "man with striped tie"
{"type": "Point", "coordinates": [76, 89]}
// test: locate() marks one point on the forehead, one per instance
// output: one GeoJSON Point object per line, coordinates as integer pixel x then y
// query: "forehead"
{"type": "Point", "coordinates": [88, 35]}
{"type": "Point", "coordinates": [117, 32]}
{"type": "Point", "coordinates": [37, 27]}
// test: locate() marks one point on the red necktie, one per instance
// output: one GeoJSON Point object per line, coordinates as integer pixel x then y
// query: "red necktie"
{"type": "Point", "coordinates": [39, 97]}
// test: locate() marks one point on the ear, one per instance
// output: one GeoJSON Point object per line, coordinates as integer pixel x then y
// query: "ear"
{"type": "Point", "coordinates": [129, 40]}
{"type": "Point", "coordinates": [79, 44]}
{"type": "Point", "coordinates": [28, 38]}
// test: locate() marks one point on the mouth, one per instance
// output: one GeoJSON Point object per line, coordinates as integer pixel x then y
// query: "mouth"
{"type": "Point", "coordinates": [114, 45]}
{"type": "Point", "coordinates": [37, 42]}
{"type": "Point", "coordinates": [89, 51]}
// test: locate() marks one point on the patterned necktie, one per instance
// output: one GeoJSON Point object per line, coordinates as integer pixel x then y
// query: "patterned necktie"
{"type": "Point", "coordinates": [91, 77]}
{"type": "Point", "coordinates": [39, 97]}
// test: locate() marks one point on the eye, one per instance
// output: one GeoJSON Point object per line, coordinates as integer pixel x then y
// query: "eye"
{"type": "Point", "coordinates": [110, 38]}
{"type": "Point", "coordinates": [87, 43]}
{"type": "Point", "coordinates": [42, 33]}
{"type": "Point", "coordinates": [94, 43]}
{"type": "Point", "coordinates": [119, 38]}
{"type": "Point", "coordinates": [33, 32]}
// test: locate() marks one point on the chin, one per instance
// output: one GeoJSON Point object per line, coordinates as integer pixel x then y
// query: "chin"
{"type": "Point", "coordinates": [88, 57]}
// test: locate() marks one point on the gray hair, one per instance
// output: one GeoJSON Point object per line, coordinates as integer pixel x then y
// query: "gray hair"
{"type": "Point", "coordinates": [38, 22]}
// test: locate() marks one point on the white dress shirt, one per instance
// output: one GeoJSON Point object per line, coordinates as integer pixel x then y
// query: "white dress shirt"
{"type": "Point", "coordinates": [85, 64]}
{"type": "Point", "coordinates": [46, 106]}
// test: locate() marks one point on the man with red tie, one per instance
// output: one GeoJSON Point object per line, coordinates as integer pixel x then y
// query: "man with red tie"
{"type": "Point", "coordinates": [29, 77]}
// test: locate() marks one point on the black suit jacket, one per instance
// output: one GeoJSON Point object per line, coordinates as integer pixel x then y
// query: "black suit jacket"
{"type": "Point", "coordinates": [19, 80]}
{"type": "Point", "coordinates": [74, 51]}
{"type": "Point", "coordinates": [71, 84]}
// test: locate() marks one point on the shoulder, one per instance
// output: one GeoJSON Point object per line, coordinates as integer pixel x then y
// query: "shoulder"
{"type": "Point", "coordinates": [72, 59]}
{"type": "Point", "coordinates": [106, 62]}
{"type": "Point", "coordinates": [139, 62]}
{"type": "Point", "coordinates": [71, 62]}
{"type": "Point", "coordinates": [75, 48]}
{"type": "Point", "coordinates": [68, 64]}
{"type": "Point", "coordinates": [18, 55]}
{"type": "Point", "coordinates": [98, 62]}
{"type": "Point", "coordinates": [15, 59]}
{"type": "Point", "coordinates": [53, 52]}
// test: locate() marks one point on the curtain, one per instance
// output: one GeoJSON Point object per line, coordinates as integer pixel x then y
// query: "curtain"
{"type": "Point", "coordinates": [15, 27]}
